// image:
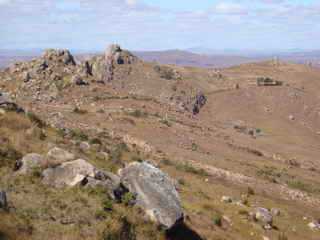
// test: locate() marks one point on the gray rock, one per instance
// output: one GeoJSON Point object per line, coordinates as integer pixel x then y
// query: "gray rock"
{"type": "Point", "coordinates": [3, 200]}
{"type": "Point", "coordinates": [314, 225]}
{"type": "Point", "coordinates": [57, 156]}
{"type": "Point", "coordinates": [155, 193]}
{"type": "Point", "coordinates": [7, 104]}
{"type": "Point", "coordinates": [200, 101]}
{"type": "Point", "coordinates": [68, 173]}
{"type": "Point", "coordinates": [226, 199]}
{"type": "Point", "coordinates": [275, 212]}
{"type": "Point", "coordinates": [30, 162]}
{"type": "Point", "coordinates": [84, 146]}
{"type": "Point", "coordinates": [60, 55]}
{"type": "Point", "coordinates": [264, 216]}
{"type": "Point", "coordinates": [26, 77]}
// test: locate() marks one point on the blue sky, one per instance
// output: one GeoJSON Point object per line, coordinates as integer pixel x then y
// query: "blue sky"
{"type": "Point", "coordinates": [160, 24]}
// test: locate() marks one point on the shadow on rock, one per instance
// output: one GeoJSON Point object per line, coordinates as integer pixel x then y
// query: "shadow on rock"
{"type": "Point", "coordinates": [182, 232]}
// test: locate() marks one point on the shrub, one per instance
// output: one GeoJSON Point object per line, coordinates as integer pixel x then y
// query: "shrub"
{"type": "Point", "coordinates": [165, 122]}
{"type": "Point", "coordinates": [128, 199]}
{"type": "Point", "coordinates": [79, 134]}
{"type": "Point", "coordinates": [137, 113]}
{"type": "Point", "coordinates": [36, 120]}
{"type": "Point", "coordinates": [186, 167]}
{"type": "Point", "coordinates": [167, 162]}
{"type": "Point", "coordinates": [194, 147]}
{"type": "Point", "coordinates": [217, 220]}
{"type": "Point", "coordinates": [95, 141]}
{"type": "Point", "coordinates": [107, 205]}
{"type": "Point", "coordinates": [123, 231]}
{"type": "Point", "coordinates": [250, 191]}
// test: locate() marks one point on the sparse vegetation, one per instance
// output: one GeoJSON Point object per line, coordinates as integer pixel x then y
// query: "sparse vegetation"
{"type": "Point", "coordinates": [137, 113]}
{"type": "Point", "coordinates": [217, 220]}
{"type": "Point", "coordinates": [186, 167]}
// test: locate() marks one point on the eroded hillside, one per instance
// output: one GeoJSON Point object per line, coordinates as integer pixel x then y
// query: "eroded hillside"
{"type": "Point", "coordinates": [244, 157]}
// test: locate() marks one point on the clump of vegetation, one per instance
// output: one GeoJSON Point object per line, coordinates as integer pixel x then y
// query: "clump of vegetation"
{"type": "Point", "coordinates": [165, 72]}
{"type": "Point", "coordinates": [165, 122]}
{"type": "Point", "coordinates": [8, 155]}
{"type": "Point", "coordinates": [124, 230]}
{"type": "Point", "coordinates": [186, 167]}
{"type": "Point", "coordinates": [243, 212]}
{"type": "Point", "coordinates": [300, 185]}
{"type": "Point", "coordinates": [138, 113]}
{"type": "Point", "coordinates": [36, 120]}
{"type": "Point", "coordinates": [270, 173]}
{"type": "Point", "coordinates": [166, 162]}
{"type": "Point", "coordinates": [108, 205]}
{"type": "Point", "coordinates": [95, 141]}
{"type": "Point", "coordinates": [79, 135]}
{"type": "Point", "coordinates": [194, 147]}
{"type": "Point", "coordinates": [128, 199]}
{"type": "Point", "coordinates": [181, 181]}
{"type": "Point", "coordinates": [217, 220]}
{"type": "Point", "coordinates": [117, 153]}
{"type": "Point", "coordinates": [250, 191]}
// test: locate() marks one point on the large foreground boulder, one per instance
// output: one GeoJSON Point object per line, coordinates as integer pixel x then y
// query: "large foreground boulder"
{"type": "Point", "coordinates": [155, 193]}
{"type": "Point", "coordinates": [68, 173]}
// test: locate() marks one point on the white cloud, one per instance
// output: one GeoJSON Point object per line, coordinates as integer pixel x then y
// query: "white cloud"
{"type": "Point", "coordinates": [132, 2]}
{"type": "Point", "coordinates": [229, 8]}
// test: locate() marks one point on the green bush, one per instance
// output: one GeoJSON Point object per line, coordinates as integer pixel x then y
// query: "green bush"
{"type": "Point", "coordinates": [128, 199]}
{"type": "Point", "coordinates": [217, 220]}
{"type": "Point", "coordinates": [108, 205]}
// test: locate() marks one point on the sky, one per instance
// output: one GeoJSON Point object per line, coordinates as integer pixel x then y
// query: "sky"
{"type": "Point", "coordinates": [90, 25]}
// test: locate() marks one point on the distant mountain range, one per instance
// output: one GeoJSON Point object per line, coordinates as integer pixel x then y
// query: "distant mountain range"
{"type": "Point", "coordinates": [196, 57]}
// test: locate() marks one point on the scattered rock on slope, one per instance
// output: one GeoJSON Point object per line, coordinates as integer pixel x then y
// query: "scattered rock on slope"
{"type": "Point", "coordinates": [57, 156]}
{"type": "Point", "coordinates": [61, 55]}
{"type": "Point", "coordinates": [68, 173]}
{"type": "Point", "coordinates": [199, 102]}
{"type": "Point", "coordinates": [264, 216]}
{"type": "Point", "coordinates": [30, 162]}
{"type": "Point", "coordinates": [155, 193]}
{"type": "Point", "coordinates": [7, 104]}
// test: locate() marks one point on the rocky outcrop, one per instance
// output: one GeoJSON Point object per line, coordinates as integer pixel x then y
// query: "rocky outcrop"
{"type": "Point", "coordinates": [199, 102]}
{"type": "Point", "coordinates": [114, 55]}
{"type": "Point", "coordinates": [155, 193]}
{"type": "Point", "coordinates": [58, 156]}
{"type": "Point", "coordinates": [68, 173]}
{"type": "Point", "coordinates": [60, 55]}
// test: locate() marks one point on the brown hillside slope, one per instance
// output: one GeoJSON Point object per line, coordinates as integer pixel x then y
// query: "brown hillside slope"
{"type": "Point", "coordinates": [259, 145]}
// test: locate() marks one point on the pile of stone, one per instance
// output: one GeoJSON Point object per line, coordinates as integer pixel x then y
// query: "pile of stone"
{"type": "Point", "coordinates": [151, 189]}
